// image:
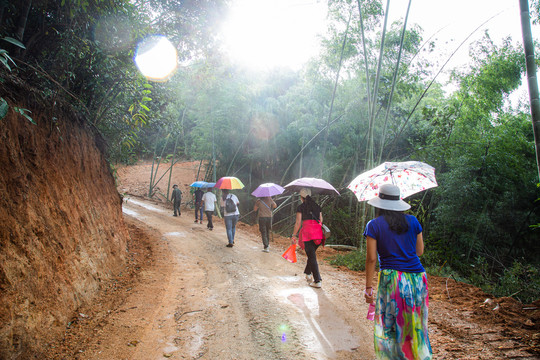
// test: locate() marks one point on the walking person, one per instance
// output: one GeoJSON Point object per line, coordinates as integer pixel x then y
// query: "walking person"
{"type": "Point", "coordinates": [264, 207]}
{"type": "Point", "coordinates": [209, 204]}
{"type": "Point", "coordinates": [229, 202]}
{"type": "Point", "coordinates": [176, 199]}
{"type": "Point", "coordinates": [198, 194]}
{"type": "Point", "coordinates": [401, 302]}
{"type": "Point", "coordinates": [308, 230]}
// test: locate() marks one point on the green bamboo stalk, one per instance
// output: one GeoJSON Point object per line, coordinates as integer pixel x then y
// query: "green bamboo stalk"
{"type": "Point", "coordinates": [171, 168]}
{"type": "Point", "coordinates": [528, 45]}
{"type": "Point", "coordinates": [433, 80]}
{"type": "Point", "coordinates": [306, 145]}
{"type": "Point", "coordinates": [370, 142]}
{"type": "Point", "coordinates": [366, 63]}
{"type": "Point", "coordinates": [393, 82]}
{"type": "Point", "coordinates": [325, 142]}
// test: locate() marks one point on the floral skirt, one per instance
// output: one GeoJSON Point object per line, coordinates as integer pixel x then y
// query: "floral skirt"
{"type": "Point", "coordinates": [401, 316]}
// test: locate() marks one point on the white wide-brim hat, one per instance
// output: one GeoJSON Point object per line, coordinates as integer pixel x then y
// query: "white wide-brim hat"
{"type": "Point", "coordinates": [389, 199]}
{"type": "Point", "coordinates": [305, 192]}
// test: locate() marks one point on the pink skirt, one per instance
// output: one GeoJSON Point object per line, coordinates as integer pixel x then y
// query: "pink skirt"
{"type": "Point", "coordinates": [311, 230]}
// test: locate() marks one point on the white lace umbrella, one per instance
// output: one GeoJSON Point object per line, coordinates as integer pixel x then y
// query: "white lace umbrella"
{"type": "Point", "coordinates": [410, 176]}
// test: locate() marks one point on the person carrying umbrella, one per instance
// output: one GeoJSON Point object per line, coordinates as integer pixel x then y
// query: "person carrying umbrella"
{"type": "Point", "coordinates": [264, 206]}
{"type": "Point", "coordinates": [230, 214]}
{"type": "Point", "coordinates": [310, 235]}
{"type": "Point", "coordinates": [198, 194]}
{"type": "Point", "coordinates": [401, 303]}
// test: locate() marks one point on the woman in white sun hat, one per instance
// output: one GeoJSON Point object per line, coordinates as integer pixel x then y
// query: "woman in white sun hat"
{"type": "Point", "coordinates": [401, 303]}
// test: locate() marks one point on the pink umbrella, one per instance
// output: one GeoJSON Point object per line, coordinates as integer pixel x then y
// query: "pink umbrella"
{"type": "Point", "coordinates": [317, 186]}
{"type": "Point", "coordinates": [410, 176]}
{"type": "Point", "coordinates": [229, 182]}
{"type": "Point", "coordinates": [268, 189]}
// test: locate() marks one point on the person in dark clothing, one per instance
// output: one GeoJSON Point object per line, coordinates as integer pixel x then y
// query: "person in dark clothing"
{"type": "Point", "coordinates": [198, 205]}
{"type": "Point", "coordinates": [310, 236]}
{"type": "Point", "coordinates": [176, 199]}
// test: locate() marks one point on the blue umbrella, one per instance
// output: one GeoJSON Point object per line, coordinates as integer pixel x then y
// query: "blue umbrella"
{"type": "Point", "coordinates": [200, 184]}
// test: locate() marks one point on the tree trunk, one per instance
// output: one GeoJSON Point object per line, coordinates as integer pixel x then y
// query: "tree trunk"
{"type": "Point", "coordinates": [531, 76]}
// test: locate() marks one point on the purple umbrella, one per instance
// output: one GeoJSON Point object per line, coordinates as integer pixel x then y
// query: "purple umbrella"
{"type": "Point", "coordinates": [317, 186]}
{"type": "Point", "coordinates": [268, 189]}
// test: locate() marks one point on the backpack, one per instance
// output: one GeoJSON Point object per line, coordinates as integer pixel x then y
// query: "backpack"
{"type": "Point", "coordinates": [230, 206]}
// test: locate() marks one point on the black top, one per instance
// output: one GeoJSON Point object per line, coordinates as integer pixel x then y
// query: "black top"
{"type": "Point", "coordinates": [198, 195]}
{"type": "Point", "coordinates": [307, 214]}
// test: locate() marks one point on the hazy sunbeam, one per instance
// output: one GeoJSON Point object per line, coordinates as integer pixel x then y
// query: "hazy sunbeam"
{"type": "Point", "coordinates": [268, 33]}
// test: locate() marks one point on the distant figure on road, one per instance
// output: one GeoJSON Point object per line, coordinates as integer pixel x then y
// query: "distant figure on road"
{"type": "Point", "coordinates": [310, 236]}
{"type": "Point", "coordinates": [176, 199]}
{"type": "Point", "coordinates": [209, 204]}
{"type": "Point", "coordinates": [264, 207]}
{"type": "Point", "coordinates": [230, 215]}
{"type": "Point", "coordinates": [401, 306]}
{"type": "Point", "coordinates": [198, 194]}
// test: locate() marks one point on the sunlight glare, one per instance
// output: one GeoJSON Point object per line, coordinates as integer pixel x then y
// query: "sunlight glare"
{"type": "Point", "coordinates": [156, 58]}
{"type": "Point", "coordinates": [263, 34]}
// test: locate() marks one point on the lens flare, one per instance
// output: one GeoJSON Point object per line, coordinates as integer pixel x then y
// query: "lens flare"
{"type": "Point", "coordinates": [156, 58]}
{"type": "Point", "coordinates": [284, 330]}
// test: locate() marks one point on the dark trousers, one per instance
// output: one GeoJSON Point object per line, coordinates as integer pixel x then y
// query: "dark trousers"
{"type": "Point", "coordinates": [312, 267]}
{"type": "Point", "coordinates": [265, 224]}
{"type": "Point", "coordinates": [176, 206]}
{"type": "Point", "coordinates": [209, 217]}
{"type": "Point", "coordinates": [199, 210]}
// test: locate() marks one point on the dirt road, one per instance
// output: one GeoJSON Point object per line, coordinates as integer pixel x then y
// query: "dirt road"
{"type": "Point", "coordinates": [184, 295]}
{"type": "Point", "coordinates": [206, 301]}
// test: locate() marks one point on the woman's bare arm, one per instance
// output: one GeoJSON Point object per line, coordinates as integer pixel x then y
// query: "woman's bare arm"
{"type": "Point", "coordinates": [371, 260]}
{"type": "Point", "coordinates": [419, 244]}
{"type": "Point", "coordinates": [297, 226]}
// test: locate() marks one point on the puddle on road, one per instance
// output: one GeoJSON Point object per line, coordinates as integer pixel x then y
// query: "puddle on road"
{"type": "Point", "coordinates": [180, 234]}
{"type": "Point", "coordinates": [144, 205]}
{"type": "Point", "coordinates": [197, 341]}
{"type": "Point", "coordinates": [323, 329]}
{"type": "Point", "coordinates": [129, 212]}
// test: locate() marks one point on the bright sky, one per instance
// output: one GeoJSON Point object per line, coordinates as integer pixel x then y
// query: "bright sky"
{"type": "Point", "coordinates": [266, 33]}
{"type": "Point", "coordinates": [452, 21]}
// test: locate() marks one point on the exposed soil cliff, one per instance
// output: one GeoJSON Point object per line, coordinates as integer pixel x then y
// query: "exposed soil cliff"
{"type": "Point", "coordinates": [62, 234]}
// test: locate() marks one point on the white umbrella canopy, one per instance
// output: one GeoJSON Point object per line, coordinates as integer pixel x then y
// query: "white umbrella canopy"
{"type": "Point", "coordinates": [410, 176]}
{"type": "Point", "coordinates": [317, 186]}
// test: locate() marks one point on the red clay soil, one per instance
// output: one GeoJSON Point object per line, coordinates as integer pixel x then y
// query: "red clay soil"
{"type": "Point", "coordinates": [465, 322]}
{"type": "Point", "coordinates": [62, 234]}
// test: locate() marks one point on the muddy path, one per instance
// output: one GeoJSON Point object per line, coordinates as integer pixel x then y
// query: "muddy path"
{"type": "Point", "coordinates": [203, 300]}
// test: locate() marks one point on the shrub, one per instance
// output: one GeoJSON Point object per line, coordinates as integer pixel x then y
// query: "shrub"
{"type": "Point", "coordinates": [521, 281]}
{"type": "Point", "coordinates": [354, 260]}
